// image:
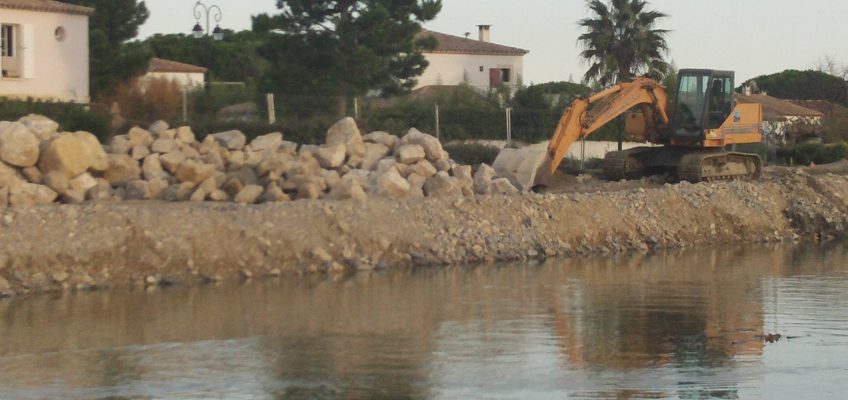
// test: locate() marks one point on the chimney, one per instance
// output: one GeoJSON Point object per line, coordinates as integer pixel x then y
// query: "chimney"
{"type": "Point", "coordinates": [485, 33]}
{"type": "Point", "coordinates": [746, 90]}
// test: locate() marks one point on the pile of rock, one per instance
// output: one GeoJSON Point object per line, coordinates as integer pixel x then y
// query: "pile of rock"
{"type": "Point", "coordinates": [39, 165]}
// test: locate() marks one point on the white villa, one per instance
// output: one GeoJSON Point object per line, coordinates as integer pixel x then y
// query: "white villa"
{"type": "Point", "coordinates": [481, 63]}
{"type": "Point", "coordinates": [44, 50]}
{"type": "Point", "coordinates": [187, 76]}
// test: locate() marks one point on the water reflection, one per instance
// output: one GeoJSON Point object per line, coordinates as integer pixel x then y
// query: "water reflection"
{"type": "Point", "coordinates": [685, 325]}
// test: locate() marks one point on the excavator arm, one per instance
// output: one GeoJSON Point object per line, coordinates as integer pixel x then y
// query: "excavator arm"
{"type": "Point", "coordinates": [531, 166]}
{"type": "Point", "coordinates": [581, 119]}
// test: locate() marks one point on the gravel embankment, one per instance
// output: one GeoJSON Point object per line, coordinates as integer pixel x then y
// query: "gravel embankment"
{"type": "Point", "coordinates": [149, 242]}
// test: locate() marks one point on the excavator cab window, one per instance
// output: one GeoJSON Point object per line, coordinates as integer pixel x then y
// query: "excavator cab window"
{"type": "Point", "coordinates": [720, 103]}
{"type": "Point", "coordinates": [691, 97]}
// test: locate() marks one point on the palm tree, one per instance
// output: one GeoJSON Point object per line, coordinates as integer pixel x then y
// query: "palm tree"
{"type": "Point", "coordinates": [621, 41]}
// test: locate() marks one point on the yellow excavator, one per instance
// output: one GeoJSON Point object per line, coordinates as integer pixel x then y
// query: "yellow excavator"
{"type": "Point", "coordinates": [693, 140]}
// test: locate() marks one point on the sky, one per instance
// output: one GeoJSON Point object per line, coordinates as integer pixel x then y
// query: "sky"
{"type": "Point", "coordinates": [751, 37]}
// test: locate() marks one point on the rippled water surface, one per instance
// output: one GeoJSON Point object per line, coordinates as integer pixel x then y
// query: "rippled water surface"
{"type": "Point", "coordinates": [688, 326]}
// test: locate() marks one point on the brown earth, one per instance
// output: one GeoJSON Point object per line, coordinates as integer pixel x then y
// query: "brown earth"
{"type": "Point", "coordinates": [104, 244]}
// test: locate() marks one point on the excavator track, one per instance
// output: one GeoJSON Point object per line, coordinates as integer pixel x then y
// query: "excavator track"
{"type": "Point", "coordinates": [615, 165]}
{"type": "Point", "coordinates": [719, 166]}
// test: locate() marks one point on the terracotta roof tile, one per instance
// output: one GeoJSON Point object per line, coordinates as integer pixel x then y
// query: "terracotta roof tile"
{"type": "Point", "coordinates": [776, 109]}
{"type": "Point", "coordinates": [160, 65]}
{"type": "Point", "coordinates": [829, 109]}
{"type": "Point", "coordinates": [46, 6]}
{"type": "Point", "coordinates": [450, 44]}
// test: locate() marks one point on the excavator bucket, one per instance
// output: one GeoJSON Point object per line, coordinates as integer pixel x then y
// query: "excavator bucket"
{"type": "Point", "coordinates": [527, 168]}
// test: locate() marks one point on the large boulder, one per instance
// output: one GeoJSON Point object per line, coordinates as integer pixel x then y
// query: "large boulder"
{"type": "Point", "coordinates": [266, 142]}
{"type": "Point", "coordinates": [73, 154]}
{"type": "Point", "coordinates": [391, 184]}
{"type": "Point", "coordinates": [30, 194]}
{"type": "Point", "coordinates": [502, 186]}
{"type": "Point", "coordinates": [139, 152]}
{"type": "Point", "coordinates": [231, 140]}
{"type": "Point", "coordinates": [410, 153]}
{"type": "Point", "coordinates": [442, 184]}
{"type": "Point", "coordinates": [83, 183]}
{"type": "Point", "coordinates": [374, 152]}
{"type": "Point", "coordinates": [347, 189]}
{"type": "Point", "coordinates": [158, 127]}
{"type": "Point", "coordinates": [346, 132]}
{"type": "Point", "coordinates": [18, 145]}
{"type": "Point", "coordinates": [383, 138]}
{"type": "Point", "coordinates": [432, 147]}
{"type": "Point", "coordinates": [42, 127]}
{"type": "Point", "coordinates": [137, 190]}
{"type": "Point", "coordinates": [121, 145]}
{"type": "Point", "coordinates": [194, 172]}
{"type": "Point", "coordinates": [483, 178]}
{"type": "Point", "coordinates": [184, 134]}
{"type": "Point", "coordinates": [164, 146]}
{"type": "Point", "coordinates": [330, 156]}
{"type": "Point", "coordinates": [56, 181]}
{"type": "Point", "coordinates": [122, 168]}
{"type": "Point", "coordinates": [171, 161]}
{"type": "Point", "coordinates": [151, 168]}
{"type": "Point", "coordinates": [139, 137]}
{"type": "Point", "coordinates": [424, 168]}
{"type": "Point", "coordinates": [9, 176]}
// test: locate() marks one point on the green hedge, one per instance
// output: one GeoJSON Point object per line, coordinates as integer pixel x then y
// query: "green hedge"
{"type": "Point", "coordinates": [804, 154]}
{"type": "Point", "coordinates": [472, 153]}
{"type": "Point", "coordinates": [70, 116]}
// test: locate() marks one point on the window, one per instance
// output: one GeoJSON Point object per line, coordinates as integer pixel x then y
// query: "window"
{"type": "Point", "coordinates": [60, 34]}
{"type": "Point", "coordinates": [7, 40]}
{"type": "Point", "coordinates": [506, 75]}
{"type": "Point", "coordinates": [10, 57]}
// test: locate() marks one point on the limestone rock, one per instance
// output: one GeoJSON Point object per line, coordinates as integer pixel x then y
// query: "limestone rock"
{"type": "Point", "coordinates": [347, 189]}
{"type": "Point", "coordinates": [97, 158]}
{"type": "Point", "coordinates": [384, 138]}
{"type": "Point", "coordinates": [82, 183]}
{"type": "Point", "coordinates": [391, 184]}
{"type": "Point", "coordinates": [9, 176]}
{"type": "Point", "coordinates": [345, 132]}
{"type": "Point", "coordinates": [4, 197]}
{"type": "Point", "coordinates": [158, 127]}
{"type": "Point", "coordinates": [273, 194]}
{"type": "Point", "coordinates": [184, 135]}
{"type": "Point", "coordinates": [137, 190]}
{"type": "Point", "coordinates": [171, 161]}
{"type": "Point", "coordinates": [410, 153]}
{"type": "Point", "coordinates": [122, 168]}
{"type": "Point", "coordinates": [231, 140]}
{"type": "Point", "coordinates": [502, 186]}
{"type": "Point", "coordinates": [249, 194]}
{"type": "Point", "coordinates": [309, 191]}
{"type": "Point", "coordinates": [56, 181]}
{"type": "Point", "coordinates": [139, 137]}
{"type": "Point", "coordinates": [483, 178]}
{"type": "Point", "coordinates": [163, 146]}
{"type": "Point", "coordinates": [67, 154]}
{"type": "Point", "coordinates": [42, 127]}
{"type": "Point", "coordinates": [199, 195]}
{"type": "Point", "coordinates": [331, 156]}
{"type": "Point", "coordinates": [100, 192]}
{"type": "Point", "coordinates": [167, 134]}
{"type": "Point", "coordinates": [270, 141]}
{"type": "Point", "coordinates": [194, 172]}
{"type": "Point", "coordinates": [442, 184]}
{"type": "Point", "coordinates": [424, 168]}
{"type": "Point", "coordinates": [18, 145]}
{"type": "Point", "coordinates": [151, 168]}
{"type": "Point", "coordinates": [32, 174]}
{"type": "Point", "coordinates": [139, 152]}
{"type": "Point", "coordinates": [72, 197]}
{"type": "Point", "coordinates": [30, 194]}
{"type": "Point", "coordinates": [374, 152]}
{"type": "Point", "coordinates": [432, 147]}
{"type": "Point", "coordinates": [219, 195]}
{"type": "Point", "coordinates": [120, 145]}
{"type": "Point", "coordinates": [156, 186]}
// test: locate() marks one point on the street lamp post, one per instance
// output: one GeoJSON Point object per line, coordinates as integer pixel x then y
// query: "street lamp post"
{"type": "Point", "coordinates": [210, 11]}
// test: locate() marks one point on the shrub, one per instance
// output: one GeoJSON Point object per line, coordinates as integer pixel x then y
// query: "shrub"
{"type": "Point", "coordinates": [806, 153]}
{"type": "Point", "coordinates": [472, 153]}
{"type": "Point", "coordinates": [70, 116]}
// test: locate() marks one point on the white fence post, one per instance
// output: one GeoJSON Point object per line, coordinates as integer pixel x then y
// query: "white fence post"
{"type": "Point", "coordinates": [356, 107]}
{"type": "Point", "coordinates": [272, 113]}
{"type": "Point", "coordinates": [438, 133]}
{"type": "Point", "coordinates": [185, 104]}
{"type": "Point", "coordinates": [508, 126]}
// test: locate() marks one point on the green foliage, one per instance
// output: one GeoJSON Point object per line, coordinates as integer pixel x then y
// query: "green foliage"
{"type": "Point", "coordinates": [621, 41]}
{"type": "Point", "coordinates": [804, 154]}
{"type": "Point", "coordinates": [835, 128]}
{"type": "Point", "coordinates": [803, 85]}
{"type": "Point", "coordinates": [112, 60]}
{"type": "Point", "coordinates": [553, 95]}
{"type": "Point", "coordinates": [70, 116]}
{"type": "Point", "coordinates": [344, 47]}
{"type": "Point", "coordinates": [472, 153]}
{"type": "Point", "coordinates": [233, 59]}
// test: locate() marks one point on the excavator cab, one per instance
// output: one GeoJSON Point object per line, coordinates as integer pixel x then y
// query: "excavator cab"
{"type": "Point", "coordinates": [704, 101]}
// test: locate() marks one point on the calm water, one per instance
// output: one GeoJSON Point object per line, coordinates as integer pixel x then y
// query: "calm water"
{"type": "Point", "coordinates": [685, 326]}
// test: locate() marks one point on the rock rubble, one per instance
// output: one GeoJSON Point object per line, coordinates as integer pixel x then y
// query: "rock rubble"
{"type": "Point", "coordinates": [39, 164]}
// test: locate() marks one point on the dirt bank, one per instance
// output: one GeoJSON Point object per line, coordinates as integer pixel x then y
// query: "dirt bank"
{"type": "Point", "coordinates": [147, 242]}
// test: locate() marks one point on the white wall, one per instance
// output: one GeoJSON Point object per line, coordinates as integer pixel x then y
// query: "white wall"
{"type": "Point", "coordinates": [449, 69]}
{"type": "Point", "coordinates": [186, 80]}
{"type": "Point", "coordinates": [59, 69]}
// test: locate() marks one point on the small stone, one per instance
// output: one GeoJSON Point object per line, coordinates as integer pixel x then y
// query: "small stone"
{"type": "Point", "coordinates": [345, 132]}
{"type": "Point", "coordinates": [122, 168]}
{"type": "Point", "coordinates": [309, 191]}
{"type": "Point", "coordinates": [163, 146]}
{"type": "Point", "coordinates": [432, 146]}
{"type": "Point", "coordinates": [218, 195]}
{"type": "Point", "coordinates": [120, 145]}
{"type": "Point", "coordinates": [330, 156]}
{"type": "Point", "coordinates": [194, 172]}
{"type": "Point", "coordinates": [30, 194]}
{"type": "Point", "coordinates": [158, 127]}
{"type": "Point", "coordinates": [266, 142]}
{"type": "Point", "coordinates": [482, 179]}
{"type": "Point", "coordinates": [249, 194]}
{"type": "Point", "coordinates": [442, 184]}
{"type": "Point", "coordinates": [384, 138]}
{"type": "Point", "coordinates": [18, 145]}
{"type": "Point", "coordinates": [139, 152]}
{"type": "Point", "coordinates": [199, 195]}
{"type": "Point", "coordinates": [32, 174]}
{"type": "Point", "coordinates": [231, 140]}
{"type": "Point", "coordinates": [171, 161]}
{"type": "Point", "coordinates": [60, 276]}
{"type": "Point", "coordinates": [139, 137]}
{"type": "Point", "coordinates": [502, 186]}
{"type": "Point", "coordinates": [82, 183]}
{"type": "Point", "coordinates": [57, 181]}
{"type": "Point", "coordinates": [137, 190]}
{"type": "Point", "coordinates": [185, 135]}
{"type": "Point", "coordinates": [391, 184]}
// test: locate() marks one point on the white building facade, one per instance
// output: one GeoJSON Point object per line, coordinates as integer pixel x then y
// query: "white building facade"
{"type": "Point", "coordinates": [44, 52]}
{"type": "Point", "coordinates": [479, 63]}
{"type": "Point", "coordinates": [188, 77]}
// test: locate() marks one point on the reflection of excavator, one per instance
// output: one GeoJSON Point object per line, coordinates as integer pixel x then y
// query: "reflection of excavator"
{"type": "Point", "coordinates": [694, 138]}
